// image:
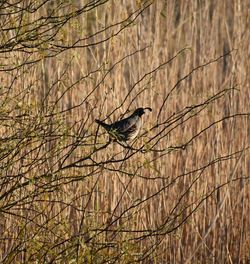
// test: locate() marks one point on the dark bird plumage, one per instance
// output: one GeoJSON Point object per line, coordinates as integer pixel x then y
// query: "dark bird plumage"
{"type": "Point", "coordinates": [127, 128]}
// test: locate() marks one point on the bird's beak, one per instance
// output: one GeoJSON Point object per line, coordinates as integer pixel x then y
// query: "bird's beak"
{"type": "Point", "coordinates": [148, 108]}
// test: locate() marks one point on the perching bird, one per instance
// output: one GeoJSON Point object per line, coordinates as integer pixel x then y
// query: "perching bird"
{"type": "Point", "coordinates": [127, 128]}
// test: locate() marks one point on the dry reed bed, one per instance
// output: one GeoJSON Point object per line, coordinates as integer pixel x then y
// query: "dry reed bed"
{"type": "Point", "coordinates": [87, 199]}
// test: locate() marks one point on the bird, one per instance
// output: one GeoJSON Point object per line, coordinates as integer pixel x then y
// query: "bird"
{"type": "Point", "coordinates": [125, 129]}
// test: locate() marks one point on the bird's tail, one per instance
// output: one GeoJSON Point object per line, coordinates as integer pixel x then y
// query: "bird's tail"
{"type": "Point", "coordinates": [104, 125]}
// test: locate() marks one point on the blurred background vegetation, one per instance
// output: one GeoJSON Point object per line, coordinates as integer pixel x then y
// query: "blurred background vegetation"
{"type": "Point", "coordinates": [180, 192]}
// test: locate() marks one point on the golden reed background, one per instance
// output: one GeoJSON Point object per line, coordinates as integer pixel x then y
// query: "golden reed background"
{"type": "Point", "coordinates": [63, 211]}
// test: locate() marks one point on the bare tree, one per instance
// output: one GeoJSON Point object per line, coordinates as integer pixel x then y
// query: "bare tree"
{"type": "Point", "coordinates": [71, 194]}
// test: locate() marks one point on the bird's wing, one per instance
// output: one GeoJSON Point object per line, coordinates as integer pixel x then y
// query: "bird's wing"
{"type": "Point", "coordinates": [127, 124]}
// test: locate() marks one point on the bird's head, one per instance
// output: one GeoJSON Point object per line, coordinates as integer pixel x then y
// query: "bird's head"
{"type": "Point", "coordinates": [141, 111]}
